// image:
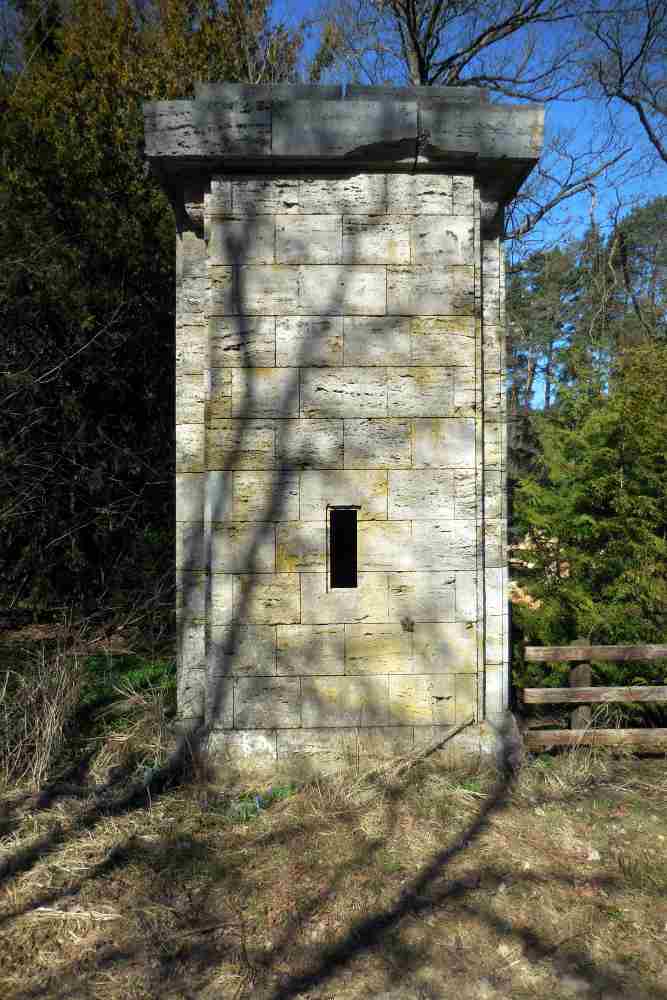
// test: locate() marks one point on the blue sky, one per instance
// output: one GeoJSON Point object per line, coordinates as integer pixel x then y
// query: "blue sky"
{"type": "Point", "coordinates": [584, 122]}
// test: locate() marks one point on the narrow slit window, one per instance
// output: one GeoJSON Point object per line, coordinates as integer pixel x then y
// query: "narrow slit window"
{"type": "Point", "coordinates": [343, 547]}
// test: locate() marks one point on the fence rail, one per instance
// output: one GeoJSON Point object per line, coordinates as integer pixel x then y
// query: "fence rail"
{"type": "Point", "coordinates": [581, 691]}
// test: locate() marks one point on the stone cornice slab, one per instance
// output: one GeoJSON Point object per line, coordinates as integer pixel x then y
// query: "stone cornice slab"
{"type": "Point", "coordinates": [284, 127]}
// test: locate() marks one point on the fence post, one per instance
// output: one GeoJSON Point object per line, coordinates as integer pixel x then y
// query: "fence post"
{"type": "Point", "coordinates": [580, 676]}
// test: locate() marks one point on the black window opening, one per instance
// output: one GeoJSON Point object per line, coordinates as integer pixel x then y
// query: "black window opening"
{"type": "Point", "coordinates": [342, 547]}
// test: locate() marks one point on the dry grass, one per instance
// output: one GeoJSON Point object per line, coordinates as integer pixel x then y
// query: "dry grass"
{"type": "Point", "coordinates": [413, 880]}
{"type": "Point", "coordinates": [350, 887]}
{"type": "Point", "coordinates": [35, 704]}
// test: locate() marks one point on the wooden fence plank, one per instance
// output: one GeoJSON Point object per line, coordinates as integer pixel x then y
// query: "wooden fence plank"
{"type": "Point", "coordinates": [578, 654]}
{"type": "Point", "coordinates": [544, 696]}
{"type": "Point", "coordinates": [645, 739]}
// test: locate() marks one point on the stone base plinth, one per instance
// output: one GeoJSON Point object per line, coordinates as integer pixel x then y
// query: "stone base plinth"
{"type": "Point", "coordinates": [300, 754]}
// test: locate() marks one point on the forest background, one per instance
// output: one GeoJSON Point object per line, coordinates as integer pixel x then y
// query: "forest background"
{"type": "Point", "coordinates": [87, 288]}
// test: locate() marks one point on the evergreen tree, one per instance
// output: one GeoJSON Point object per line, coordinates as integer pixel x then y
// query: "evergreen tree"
{"type": "Point", "coordinates": [87, 287]}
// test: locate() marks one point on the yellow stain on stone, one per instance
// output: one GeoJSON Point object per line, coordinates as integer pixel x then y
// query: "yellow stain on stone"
{"type": "Point", "coordinates": [466, 696]}
{"type": "Point", "coordinates": [421, 699]}
{"type": "Point", "coordinates": [377, 649]}
{"type": "Point", "coordinates": [463, 326]}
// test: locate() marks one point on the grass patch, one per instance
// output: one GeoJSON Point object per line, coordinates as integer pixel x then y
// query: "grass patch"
{"type": "Point", "coordinates": [345, 886]}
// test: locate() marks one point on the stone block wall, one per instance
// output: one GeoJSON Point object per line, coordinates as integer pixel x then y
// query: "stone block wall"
{"type": "Point", "coordinates": [340, 342]}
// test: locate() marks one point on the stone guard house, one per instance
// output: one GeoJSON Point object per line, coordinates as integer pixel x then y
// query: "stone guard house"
{"type": "Point", "coordinates": [340, 412]}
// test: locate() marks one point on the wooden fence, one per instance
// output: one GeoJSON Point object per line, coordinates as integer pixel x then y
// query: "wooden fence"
{"type": "Point", "coordinates": [580, 691]}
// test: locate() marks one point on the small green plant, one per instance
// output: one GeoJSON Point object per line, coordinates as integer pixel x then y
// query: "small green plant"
{"type": "Point", "coordinates": [104, 673]}
{"type": "Point", "coordinates": [250, 804]}
{"type": "Point", "coordinates": [471, 785]}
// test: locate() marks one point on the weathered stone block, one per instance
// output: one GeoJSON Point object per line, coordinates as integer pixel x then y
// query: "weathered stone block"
{"type": "Point", "coordinates": [265, 195]}
{"type": "Point", "coordinates": [493, 339]}
{"type": "Point", "coordinates": [467, 608]}
{"type": "Point", "coordinates": [309, 340]}
{"type": "Point", "coordinates": [443, 340]}
{"type": "Point", "coordinates": [338, 128]}
{"type": "Point", "coordinates": [378, 443]}
{"type": "Point", "coordinates": [491, 258]}
{"type": "Point", "coordinates": [495, 693]}
{"type": "Point", "coordinates": [267, 444]}
{"type": "Point", "coordinates": [308, 239]}
{"type": "Point", "coordinates": [496, 595]}
{"type": "Point", "coordinates": [190, 256]}
{"type": "Point", "coordinates": [420, 493]}
{"type": "Point", "coordinates": [457, 750]}
{"type": "Point", "coordinates": [442, 444]}
{"type": "Point", "coordinates": [367, 489]}
{"type": "Point", "coordinates": [378, 649]}
{"type": "Point", "coordinates": [420, 392]}
{"type": "Point", "coordinates": [190, 648]}
{"type": "Point", "coordinates": [260, 745]}
{"type": "Point", "coordinates": [300, 545]}
{"type": "Point", "coordinates": [221, 607]}
{"type": "Point", "coordinates": [311, 649]}
{"type": "Point", "coordinates": [334, 290]}
{"type": "Point", "coordinates": [421, 596]}
{"type": "Point", "coordinates": [466, 392]}
{"type": "Point", "coordinates": [191, 694]}
{"type": "Point", "coordinates": [450, 543]}
{"type": "Point", "coordinates": [264, 392]}
{"type": "Point", "coordinates": [421, 699]}
{"type": "Point", "coordinates": [241, 241]}
{"type": "Point", "coordinates": [310, 444]}
{"type": "Point", "coordinates": [190, 447]}
{"type": "Point", "coordinates": [242, 341]}
{"type": "Point", "coordinates": [190, 496]}
{"type": "Point", "coordinates": [376, 239]}
{"type": "Point", "coordinates": [445, 242]}
{"type": "Point", "coordinates": [493, 391]}
{"type": "Point", "coordinates": [462, 195]}
{"type": "Point", "coordinates": [494, 443]}
{"type": "Point", "coordinates": [493, 494]}
{"type": "Point", "coordinates": [366, 602]}
{"type": "Point", "coordinates": [192, 294]}
{"type": "Point", "coordinates": [466, 697]}
{"type": "Point", "coordinates": [385, 741]}
{"type": "Point", "coordinates": [263, 702]}
{"type": "Point", "coordinates": [382, 340]}
{"type": "Point", "coordinates": [267, 599]}
{"type": "Point", "coordinates": [344, 701]}
{"type": "Point", "coordinates": [414, 194]}
{"type": "Point", "coordinates": [190, 554]}
{"type": "Point", "coordinates": [343, 392]}
{"type": "Point", "coordinates": [190, 596]}
{"type": "Point", "coordinates": [358, 193]}
{"type": "Point", "coordinates": [190, 397]}
{"type": "Point", "coordinates": [466, 488]}
{"type": "Point", "coordinates": [324, 749]}
{"type": "Point", "coordinates": [218, 505]}
{"type": "Point", "coordinates": [495, 651]}
{"type": "Point", "coordinates": [259, 496]}
{"type": "Point", "coordinates": [254, 289]}
{"type": "Point", "coordinates": [445, 647]}
{"type": "Point", "coordinates": [385, 545]}
{"type": "Point", "coordinates": [242, 650]}
{"type": "Point", "coordinates": [428, 290]}
{"type": "Point", "coordinates": [241, 444]}
{"type": "Point", "coordinates": [219, 200]}
{"type": "Point", "coordinates": [191, 349]}
{"type": "Point", "coordinates": [243, 547]}
{"type": "Point", "coordinates": [220, 399]}
{"type": "Point", "coordinates": [495, 543]}
{"type": "Point", "coordinates": [491, 306]}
